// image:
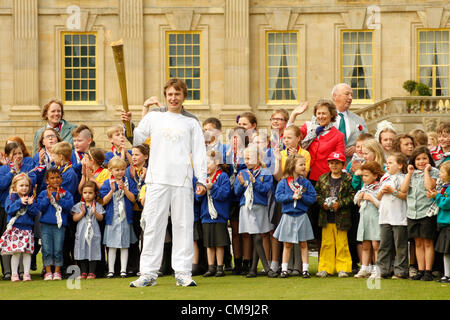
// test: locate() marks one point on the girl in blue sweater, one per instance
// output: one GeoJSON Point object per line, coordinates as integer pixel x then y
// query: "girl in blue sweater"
{"type": "Point", "coordinates": [214, 214]}
{"type": "Point", "coordinates": [18, 238]}
{"type": "Point", "coordinates": [253, 185]}
{"type": "Point", "coordinates": [296, 194]}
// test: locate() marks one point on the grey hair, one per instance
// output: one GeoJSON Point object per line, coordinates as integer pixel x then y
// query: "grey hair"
{"type": "Point", "coordinates": [335, 88]}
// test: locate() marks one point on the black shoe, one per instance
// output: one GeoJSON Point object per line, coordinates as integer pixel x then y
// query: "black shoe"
{"type": "Point", "coordinates": [284, 274]}
{"type": "Point", "coordinates": [220, 273]}
{"type": "Point", "coordinates": [245, 267]}
{"type": "Point", "coordinates": [444, 279]}
{"type": "Point", "coordinates": [7, 276]}
{"type": "Point", "coordinates": [209, 273]}
{"type": "Point", "coordinates": [418, 276]}
{"type": "Point", "coordinates": [272, 274]}
{"type": "Point", "coordinates": [33, 267]}
{"type": "Point", "coordinates": [305, 274]}
{"type": "Point", "coordinates": [110, 275]}
{"type": "Point", "coordinates": [427, 276]}
{"type": "Point", "coordinates": [251, 274]}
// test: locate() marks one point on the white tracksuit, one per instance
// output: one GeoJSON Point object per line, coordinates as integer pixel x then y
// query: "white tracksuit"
{"type": "Point", "coordinates": [174, 139]}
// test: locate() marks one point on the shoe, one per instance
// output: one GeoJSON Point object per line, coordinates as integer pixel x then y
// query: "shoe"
{"type": "Point", "coordinates": [362, 274]}
{"type": "Point", "coordinates": [209, 273]}
{"type": "Point", "coordinates": [306, 275]}
{"type": "Point", "coordinates": [33, 267]}
{"type": "Point", "coordinates": [251, 274]}
{"type": "Point", "coordinates": [272, 274]}
{"type": "Point", "coordinates": [418, 276]}
{"type": "Point", "coordinates": [342, 274]}
{"type": "Point", "coordinates": [48, 276]}
{"type": "Point", "coordinates": [185, 281]}
{"type": "Point", "coordinates": [83, 275]}
{"type": "Point", "coordinates": [444, 279]}
{"type": "Point", "coordinates": [220, 273]}
{"type": "Point", "coordinates": [110, 275]}
{"type": "Point", "coordinates": [284, 274]}
{"type": "Point", "coordinates": [26, 277]}
{"type": "Point", "coordinates": [7, 276]}
{"type": "Point", "coordinates": [295, 273]}
{"type": "Point", "coordinates": [15, 278]}
{"type": "Point", "coordinates": [131, 274]}
{"type": "Point", "coordinates": [427, 276]}
{"type": "Point", "coordinates": [123, 274]}
{"type": "Point", "coordinates": [412, 271]}
{"type": "Point", "coordinates": [143, 281]}
{"type": "Point", "coordinates": [91, 276]}
{"type": "Point", "coordinates": [322, 274]}
{"type": "Point", "coordinates": [436, 274]}
{"type": "Point", "coordinates": [398, 276]}
{"type": "Point", "coordinates": [57, 276]}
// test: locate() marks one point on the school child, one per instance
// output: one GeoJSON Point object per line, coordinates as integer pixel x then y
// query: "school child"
{"type": "Point", "coordinates": [334, 196]}
{"type": "Point", "coordinates": [278, 122]}
{"type": "Point", "coordinates": [442, 198]}
{"type": "Point", "coordinates": [137, 171]}
{"type": "Point", "coordinates": [55, 204]}
{"type": "Point", "coordinates": [47, 140]}
{"type": "Point", "coordinates": [421, 176]}
{"type": "Point", "coordinates": [82, 140]}
{"type": "Point", "coordinates": [371, 151]}
{"type": "Point", "coordinates": [88, 237]}
{"type": "Point", "coordinates": [14, 166]}
{"type": "Point", "coordinates": [403, 143]}
{"type": "Point", "coordinates": [357, 159]}
{"type": "Point", "coordinates": [385, 135]}
{"type": "Point", "coordinates": [296, 194]}
{"type": "Point", "coordinates": [368, 228]}
{"type": "Point", "coordinates": [118, 194]}
{"type": "Point", "coordinates": [214, 214]}
{"type": "Point", "coordinates": [248, 121]}
{"type": "Point", "coordinates": [212, 128]}
{"type": "Point", "coordinates": [433, 144]}
{"type": "Point", "coordinates": [18, 239]}
{"type": "Point", "coordinates": [392, 219]}
{"type": "Point", "coordinates": [443, 132]}
{"type": "Point", "coordinates": [420, 137]}
{"type": "Point", "coordinates": [237, 140]}
{"type": "Point", "coordinates": [27, 159]}
{"type": "Point", "coordinates": [252, 187]}
{"type": "Point", "coordinates": [116, 137]}
{"type": "Point", "coordinates": [92, 168]}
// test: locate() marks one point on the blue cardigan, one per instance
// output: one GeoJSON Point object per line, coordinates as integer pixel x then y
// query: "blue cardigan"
{"type": "Point", "coordinates": [6, 178]}
{"type": "Point", "coordinates": [220, 193]}
{"type": "Point", "coordinates": [262, 185]}
{"type": "Point", "coordinates": [49, 212]}
{"type": "Point", "coordinates": [106, 188]}
{"type": "Point", "coordinates": [284, 195]}
{"type": "Point", "coordinates": [13, 204]}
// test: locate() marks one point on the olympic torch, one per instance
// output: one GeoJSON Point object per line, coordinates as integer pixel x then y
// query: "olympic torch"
{"type": "Point", "coordinates": [119, 60]}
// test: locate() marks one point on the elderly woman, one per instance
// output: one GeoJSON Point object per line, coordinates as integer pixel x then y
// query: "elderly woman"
{"type": "Point", "coordinates": [320, 137]}
{"type": "Point", "coordinates": [53, 113]}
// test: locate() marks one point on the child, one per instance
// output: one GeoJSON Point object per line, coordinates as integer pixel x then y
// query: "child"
{"type": "Point", "coordinates": [61, 153]}
{"type": "Point", "coordinates": [385, 135]}
{"type": "Point", "coordinates": [421, 177]}
{"type": "Point", "coordinates": [82, 140]}
{"type": "Point", "coordinates": [368, 228]}
{"type": "Point", "coordinates": [433, 144]}
{"type": "Point", "coordinates": [252, 187]}
{"type": "Point", "coordinates": [248, 121]}
{"type": "Point", "coordinates": [296, 194]}
{"type": "Point", "coordinates": [118, 194]}
{"type": "Point", "coordinates": [443, 132]}
{"type": "Point", "coordinates": [215, 207]}
{"type": "Point", "coordinates": [92, 168]}
{"type": "Point", "coordinates": [212, 128]}
{"type": "Point", "coordinates": [393, 223]}
{"type": "Point", "coordinates": [55, 204]}
{"type": "Point", "coordinates": [18, 239]}
{"type": "Point", "coordinates": [88, 237]}
{"type": "Point", "coordinates": [334, 196]}
{"type": "Point", "coordinates": [403, 143]}
{"type": "Point", "coordinates": [443, 219]}
{"type": "Point", "coordinates": [357, 159]}
{"type": "Point", "coordinates": [420, 137]}
{"type": "Point", "coordinates": [278, 122]}
{"type": "Point", "coordinates": [48, 139]}
{"type": "Point", "coordinates": [371, 151]}
{"type": "Point", "coordinates": [117, 138]}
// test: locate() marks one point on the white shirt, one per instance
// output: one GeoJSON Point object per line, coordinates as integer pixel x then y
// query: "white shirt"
{"type": "Point", "coordinates": [174, 139]}
{"type": "Point", "coordinates": [392, 209]}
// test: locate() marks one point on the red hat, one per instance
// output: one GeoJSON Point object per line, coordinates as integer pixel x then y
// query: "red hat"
{"type": "Point", "coordinates": [336, 156]}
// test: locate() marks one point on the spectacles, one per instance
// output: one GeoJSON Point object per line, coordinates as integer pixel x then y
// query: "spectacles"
{"type": "Point", "coordinates": [277, 119]}
{"type": "Point", "coordinates": [51, 136]}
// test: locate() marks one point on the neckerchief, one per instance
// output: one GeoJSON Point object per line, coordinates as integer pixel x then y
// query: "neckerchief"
{"type": "Point", "coordinates": [314, 130]}
{"type": "Point", "coordinates": [372, 189]}
{"type": "Point", "coordinates": [248, 194]}
{"type": "Point", "coordinates": [235, 162]}
{"type": "Point", "coordinates": [58, 127]}
{"type": "Point", "coordinates": [89, 216]}
{"type": "Point", "coordinates": [97, 172]}
{"type": "Point", "coordinates": [57, 207]}
{"type": "Point", "coordinates": [433, 209]}
{"type": "Point", "coordinates": [19, 213]}
{"type": "Point", "coordinates": [120, 193]}
{"type": "Point", "coordinates": [138, 178]}
{"type": "Point", "coordinates": [65, 167]}
{"type": "Point", "coordinates": [115, 152]}
{"type": "Point", "coordinates": [294, 186]}
{"type": "Point", "coordinates": [79, 156]}
{"type": "Point", "coordinates": [47, 161]}
{"type": "Point", "coordinates": [212, 210]}
{"type": "Point", "coordinates": [13, 167]}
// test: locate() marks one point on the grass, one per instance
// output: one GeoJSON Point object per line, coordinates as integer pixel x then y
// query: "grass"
{"type": "Point", "coordinates": [228, 288]}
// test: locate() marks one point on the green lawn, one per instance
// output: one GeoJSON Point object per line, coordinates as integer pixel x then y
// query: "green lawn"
{"type": "Point", "coordinates": [229, 288]}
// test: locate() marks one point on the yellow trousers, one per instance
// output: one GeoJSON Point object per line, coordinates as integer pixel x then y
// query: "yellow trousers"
{"type": "Point", "coordinates": [334, 252]}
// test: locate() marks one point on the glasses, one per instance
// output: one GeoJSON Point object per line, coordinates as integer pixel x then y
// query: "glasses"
{"type": "Point", "coordinates": [277, 119]}
{"type": "Point", "coordinates": [50, 136]}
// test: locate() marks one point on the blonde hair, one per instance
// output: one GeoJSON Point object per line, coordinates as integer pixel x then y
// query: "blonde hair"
{"type": "Point", "coordinates": [16, 179]}
{"type": "Point", "coordinates": [290, 164]}
{"type": "Point", "coordinates": [64, 148]}
{"type": "Point", "coordinates": [116, 163]}
{"type": "Point", "coordinates": [111, 130]}
{"type": "Point", "coordinates": [374, 146]}
{"type": "Point", "coordinates": [446, 167]}
{"type": "Point", "coordinates": [434, 137]}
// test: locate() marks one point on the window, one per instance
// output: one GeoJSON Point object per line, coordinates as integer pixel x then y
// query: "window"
{"type": "Point", "coordinates": [79, 69]}
{"type": "Point", "coordinates": [282, 67]}
{"type": "Point", "coordinates": [357, 63]}
{"type": "Point", "coordinates": [433, 67]}
{"type": "Point", "coordinates": [183, 61]}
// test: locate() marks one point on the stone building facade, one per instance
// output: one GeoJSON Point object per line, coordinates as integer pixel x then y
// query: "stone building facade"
{"type": "Point", "coordinates": [238, 55]}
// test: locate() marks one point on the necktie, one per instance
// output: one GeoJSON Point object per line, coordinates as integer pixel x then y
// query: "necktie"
{"type": "Point", "coordinates": [342, 126]}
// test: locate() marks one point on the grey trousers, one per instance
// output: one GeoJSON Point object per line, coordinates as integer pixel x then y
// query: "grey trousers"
{"type": "Point", "coordinates": [393, 238]}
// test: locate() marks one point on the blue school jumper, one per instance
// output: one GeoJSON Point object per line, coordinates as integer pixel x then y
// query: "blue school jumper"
{"type": "Point", "coordinates": [13, 204]}
{"type": "Point", "coordinates": [261, 186]}
{"type": "Point", "coordinates": [49, 212]}
{"type": "Point", "coordinates": [285, 191]}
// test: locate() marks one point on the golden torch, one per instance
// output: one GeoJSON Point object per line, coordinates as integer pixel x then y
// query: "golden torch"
{"type": "Point", "coordinates": [117, 48]}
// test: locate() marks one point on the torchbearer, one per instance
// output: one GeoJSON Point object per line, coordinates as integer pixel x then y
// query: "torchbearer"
{"type": "Point", "coordinates": [175, 140]}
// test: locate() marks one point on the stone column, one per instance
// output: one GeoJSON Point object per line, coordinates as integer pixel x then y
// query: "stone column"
{"type": "Point", "coordinates": [131, 19]}
{"type": "Point", "coordinates": [26, 59]}
{"type": "Point", "coordinates": [237, 60]}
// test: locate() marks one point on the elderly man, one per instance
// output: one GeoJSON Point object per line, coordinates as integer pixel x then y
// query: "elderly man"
{"type": "Point", "coordinates": [347, 122]}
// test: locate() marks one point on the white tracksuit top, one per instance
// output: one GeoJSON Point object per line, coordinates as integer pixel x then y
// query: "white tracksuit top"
{"type": "Point", "coordinates": [174, 138]}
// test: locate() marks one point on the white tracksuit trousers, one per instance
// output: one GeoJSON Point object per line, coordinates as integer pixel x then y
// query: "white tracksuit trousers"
{"type": "Point", "coordinates": [158, 199]}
